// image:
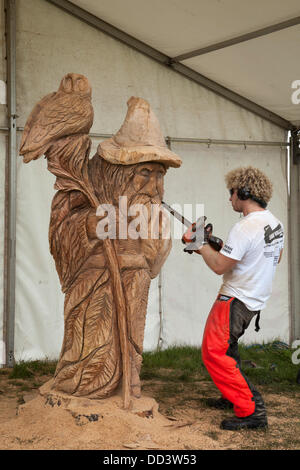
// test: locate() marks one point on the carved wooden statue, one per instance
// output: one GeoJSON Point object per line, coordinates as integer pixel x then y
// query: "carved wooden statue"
{"type": "Point", "coordinates": [105, 279]}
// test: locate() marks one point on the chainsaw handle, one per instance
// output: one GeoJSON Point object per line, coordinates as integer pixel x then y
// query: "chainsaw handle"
{"type": "Point", "coordinates": [215, 242]}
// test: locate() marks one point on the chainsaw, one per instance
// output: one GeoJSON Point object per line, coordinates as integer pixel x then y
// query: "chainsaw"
{"type": "Point", "coordinates": [197, 234]}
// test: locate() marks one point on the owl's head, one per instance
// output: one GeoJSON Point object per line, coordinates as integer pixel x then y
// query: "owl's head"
{"type": "Point", "coordinates": [75, 83]}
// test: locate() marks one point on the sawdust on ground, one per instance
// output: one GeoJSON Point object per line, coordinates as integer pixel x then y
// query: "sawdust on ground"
{"type": "Point", "coordinates": [30, 420]}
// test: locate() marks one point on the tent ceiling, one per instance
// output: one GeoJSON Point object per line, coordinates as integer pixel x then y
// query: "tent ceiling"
{"type": "Point", "coordinates": [260, 69]}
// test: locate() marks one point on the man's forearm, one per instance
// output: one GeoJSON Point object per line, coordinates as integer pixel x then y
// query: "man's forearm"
{"type": "Point", "coordinates": [211, 258]}
{"type": "Point", "coordinates": [216, 261]}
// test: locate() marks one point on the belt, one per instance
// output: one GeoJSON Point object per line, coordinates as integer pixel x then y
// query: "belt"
{"type": "Point", "coordinates": [223, 297]}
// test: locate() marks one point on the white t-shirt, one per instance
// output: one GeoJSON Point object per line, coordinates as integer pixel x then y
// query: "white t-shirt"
{"type": "Point", "coordinates": [255, 241]}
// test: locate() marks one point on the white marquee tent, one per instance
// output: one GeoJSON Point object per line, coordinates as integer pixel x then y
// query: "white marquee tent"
{"type": "Point", "coordinates": [222, 77]}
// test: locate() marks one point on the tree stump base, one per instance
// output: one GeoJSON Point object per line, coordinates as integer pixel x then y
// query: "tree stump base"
{"type": "Point", "coordinates": [86, 410]}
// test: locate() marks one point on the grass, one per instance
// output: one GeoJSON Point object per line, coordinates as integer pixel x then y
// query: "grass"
{"type": "Point", "coordinates": [185, 358]}
{"type": "Point", "coordinates": [274, 367]}
{"type": "Point", "coordinates": [30, 369]}
{"type": "Point", "coordinates": [183, 364]}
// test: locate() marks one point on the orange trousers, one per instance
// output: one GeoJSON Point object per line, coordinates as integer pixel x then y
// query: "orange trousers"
{"type": "Point", "coordinates": [220, 360]}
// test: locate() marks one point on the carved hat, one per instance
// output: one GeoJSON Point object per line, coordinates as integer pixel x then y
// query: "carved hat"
{"type": "Point", "coordinates": [139, 139]}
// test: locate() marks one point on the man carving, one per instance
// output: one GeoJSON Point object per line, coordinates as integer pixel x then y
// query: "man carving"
{"type": "Point", "coordinates": [105, 281]}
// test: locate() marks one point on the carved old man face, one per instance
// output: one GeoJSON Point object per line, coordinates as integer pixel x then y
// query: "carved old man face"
{"type": "Point", "coordinates": [137, 185]}
{"type": "Point", "coordinates": [147, 183]}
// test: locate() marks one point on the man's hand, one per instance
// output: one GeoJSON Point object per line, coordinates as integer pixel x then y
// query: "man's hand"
{"type": "Point", "coordinates": [217, 262]}
{"type": "Point", "coordinates": [191, 235]}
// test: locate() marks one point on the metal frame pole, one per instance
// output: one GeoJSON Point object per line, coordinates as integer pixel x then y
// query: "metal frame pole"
{"type": "Point", "coordinates": [294, 238]}
{"type": "Point", "coordinates": [238, 39]}
{"type": "Point", "coordinates": [192, 140]}
{"type": "Point", "coordinates": [10, 206]}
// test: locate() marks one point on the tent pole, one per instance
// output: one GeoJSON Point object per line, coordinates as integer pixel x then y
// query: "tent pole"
{"type": "Point", "coordinates": [294, 237]}
{"type": "Point", "coordinates": [191, 140]}
{"type": "Point", "coordinates": [238, 39]}
{"type": "Point", "coordinates": [160, 312]}
{"type": "Point", "coordinates": [10, 196]}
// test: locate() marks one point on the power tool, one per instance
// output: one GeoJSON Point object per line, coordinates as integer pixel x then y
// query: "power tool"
{"type": "Point", "coordinates": [197, 234]}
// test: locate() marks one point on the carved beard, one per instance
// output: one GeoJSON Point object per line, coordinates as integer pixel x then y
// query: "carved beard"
{"type": "Point", "coordinates": [140, 198]}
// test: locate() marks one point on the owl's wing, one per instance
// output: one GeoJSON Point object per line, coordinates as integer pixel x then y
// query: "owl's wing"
{"type": "Point", "coordinates": [57, 115]}
{"type": "Point", "coordinates": [33, 117]}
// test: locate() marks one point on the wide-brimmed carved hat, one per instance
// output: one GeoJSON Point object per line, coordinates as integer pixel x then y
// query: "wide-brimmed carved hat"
{"type": "Point", "coordinates": [139, 139]}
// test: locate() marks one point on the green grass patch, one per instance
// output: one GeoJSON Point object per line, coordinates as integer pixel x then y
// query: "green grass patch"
{"type": "Point", "coordinates": [185, 358]}
{"type": "Point", "coordinates": [180, 363]}
{"type": "Point", "coordinates": [30, 369]}
{"type": "Point", "coordinates": [183, 364]}
{"type": "Point", "coordinates": [274, 367]}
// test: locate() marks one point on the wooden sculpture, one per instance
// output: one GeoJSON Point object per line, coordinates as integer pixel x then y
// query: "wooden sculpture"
{"type": "Point", "coordinates": [105, 279]}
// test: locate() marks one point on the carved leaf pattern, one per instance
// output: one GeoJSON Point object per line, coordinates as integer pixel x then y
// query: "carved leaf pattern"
{"type": "Point", "coordinates": [136, 286]}
{"type": "Point", "coordinates": [68, 161]}
{"type": "Point", "coordinates": [73, 336]}
{"type": "Point", "coordinates": [76, 305]}
{"type": "Point", "coordinates": [98, 322]}
{"type": "Point", "coordinates": [102, 374]}
{"type": "Point", "coordinates": [101, 342]}
{"type": "Point", "coordinates": [69, 243]}
{"type": "Point", "coordinates": [100, 354]}
{"type": "Point", "coordinates": [67, 376]}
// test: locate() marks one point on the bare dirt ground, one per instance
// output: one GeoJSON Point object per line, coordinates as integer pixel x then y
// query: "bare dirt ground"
{"type": "Point", "coordinates": [183, 421]}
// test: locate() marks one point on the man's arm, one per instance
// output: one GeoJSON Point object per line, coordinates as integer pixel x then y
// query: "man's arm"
{"type": "Point", "coordinates": [217, 262]}
{"type": "Point", "coordinates": [280, 256]}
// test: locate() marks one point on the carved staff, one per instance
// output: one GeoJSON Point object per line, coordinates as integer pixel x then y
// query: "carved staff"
{"type": "Point", "coordinates": [58, 127]}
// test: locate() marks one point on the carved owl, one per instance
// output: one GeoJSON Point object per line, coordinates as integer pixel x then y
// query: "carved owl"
{"type": "Point", "coordinates": [63, 113]}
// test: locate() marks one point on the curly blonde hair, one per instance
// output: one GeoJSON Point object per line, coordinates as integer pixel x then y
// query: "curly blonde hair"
{"type": "Point", "coordinates": [251, 178]}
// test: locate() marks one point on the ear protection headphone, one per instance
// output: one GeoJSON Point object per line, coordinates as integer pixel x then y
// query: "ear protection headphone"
{"type": "Point", "coordinates": [244, 193]}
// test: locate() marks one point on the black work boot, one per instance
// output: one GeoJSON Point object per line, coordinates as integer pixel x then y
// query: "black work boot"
{"type": "Point", "coordinates": [257, 420]}
{"type": "Point", "coordinates": [219, 403]}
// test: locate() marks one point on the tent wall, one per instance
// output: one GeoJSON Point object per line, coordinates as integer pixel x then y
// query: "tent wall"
{"type": "Point", "coordinates": [202, 177]}
{"type": "Point", "coordinates": [50, 43]}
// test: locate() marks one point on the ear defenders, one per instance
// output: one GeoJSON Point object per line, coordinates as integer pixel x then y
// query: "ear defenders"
{"type": "Point", "coordinates": [244, 193]}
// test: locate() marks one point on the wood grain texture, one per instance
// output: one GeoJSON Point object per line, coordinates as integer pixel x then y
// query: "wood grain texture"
{"type": "Point", "coordinates": [105, 282]}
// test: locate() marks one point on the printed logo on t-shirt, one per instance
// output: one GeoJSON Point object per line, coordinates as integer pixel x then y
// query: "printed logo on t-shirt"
{"type": "Point", "coordinates": [273, 239]}
{"type": "Point", "coordinates": [271, 235]}
{"type": "Point", "coordinates": [227, 249]}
